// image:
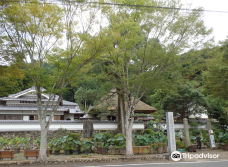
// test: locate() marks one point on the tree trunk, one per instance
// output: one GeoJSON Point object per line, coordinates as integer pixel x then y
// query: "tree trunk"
{"type": "Point", "coordinates": [119, 128]}
{"type": "Point", "coordinates": [43, 143]}
{"type": "Point", "coordinates": [129, 124]}
{"type": "Point", "coordinates": [129, 150]}
{"type": "Point", "coordinates": [121, 113]}
{"type": "Point", "coordinates": [122, 116]}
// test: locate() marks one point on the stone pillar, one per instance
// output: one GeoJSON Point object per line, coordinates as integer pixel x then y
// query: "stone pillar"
{"type": "Point", "coordinates": [87, 129]}
{"type": "Point", "coordinates": [170, 133]}
{"type": "Point", "coordinates": [186, 132]}
{"type": "Point", "coordinates": [209, 124]}
{"type": "Point", "coordinates": [209, 128]}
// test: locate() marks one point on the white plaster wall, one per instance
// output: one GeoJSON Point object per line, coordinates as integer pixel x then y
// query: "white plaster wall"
{"type": "Point", "coordinates": [28, 112]}
{"type": "Point", "coordinates": [181, 126]}
{"type": "Point", "coordinates": [13, 102]}
{"type": "Point", "coordinates": [55, 126]}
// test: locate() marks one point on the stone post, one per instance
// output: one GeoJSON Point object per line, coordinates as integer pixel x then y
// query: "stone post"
{"type": "Point", "coordinates": [186, 131]}
{"type": "Point", "coordinates": [87, 129]}
{"type": "Point", "coordinates": [170, 133]}
{"type": "Point", "coordinates": [209, 124]}
{"type": "Point", "coordinates": [209, 127]}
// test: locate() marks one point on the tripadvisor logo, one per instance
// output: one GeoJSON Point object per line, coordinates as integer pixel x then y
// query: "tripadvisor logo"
{"type": "Point", "coordinates": [176, 156]}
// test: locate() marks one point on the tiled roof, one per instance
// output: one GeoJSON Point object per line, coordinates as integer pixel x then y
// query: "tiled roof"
{"type": "Point", "coordinates": [68, 103]}
{"type": "Point", "coordinates": [22, 99]}
{"type": "Point", "coordinates": [7, 108]}
{"type": "Point", "coordinates": [16, 95]}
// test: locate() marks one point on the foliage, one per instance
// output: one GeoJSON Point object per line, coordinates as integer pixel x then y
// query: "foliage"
{"type": "Point", "coordinates": [215, 78]}
{"type": "Point", "coordinates": [205, 136]}
{"type": "Point", "coordinates": [1, 142]}
{"type": "Point", "coordinates": [186, 101]}
{"type": "Point", "coordinates": [25, 142]}
{"type": "Point", "coordinates": [223, 137]}
{"type": "Point", "coordinates": [15, 141]}
{"type": "Point", "coordinates": [150, 124]}
{"type": "Point", "coordinates": [119, 141]}
{"type": "Point", "coordinates": [192, 139]}
{"type": "Point", "coordinates": [11, 79]}
{"type": "Point", "coordinates": [50, 145]}
{"type": "Point", "coordinates": [141, 140]}
{"type": "Point", "coordinates": [37, 142]}
{"type": "Point", "coordinates": [75, 136]}
{"type": "Point", "coordinates": [156, 101]}
{"type": "Point", "coordinates": [216, 107]}
{"type": "Point", "coordinates": [102, 137]}
{"type": "Point", "coordinates": [56, 144]}
{"type": "Point", "coordinates": [67, 144]}
{"type": "Point", "coordinates": [223, 120]}
{"type": "Point", "coordinates": [149, 131]}
{"type": "Point", "coordinates": [32, 34]}
{"type": "Point", "coordinates": [61, 132]}
{"type": "Point", "coordinates": [86, 145]}
{"type": "Point", "coordinates": [139, 132]}
{"type": "Point", "coordinates": [75, 144]}
{"type": "Point", "coordinates": [179, 144]}
{"type": "Point", "coordinates": [4, 143]}
{"type": "Point", "coordinates": [153, 139]}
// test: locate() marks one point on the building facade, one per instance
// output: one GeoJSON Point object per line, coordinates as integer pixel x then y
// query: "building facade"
{"type": "Point", "coordinates": [23, 106]}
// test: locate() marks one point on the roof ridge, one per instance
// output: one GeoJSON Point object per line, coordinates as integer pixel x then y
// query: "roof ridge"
{"type": "Point", "coordinates": [26, 90]}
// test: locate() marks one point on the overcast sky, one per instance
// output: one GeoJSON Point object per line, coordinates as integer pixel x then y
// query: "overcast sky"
{"type": "Point", "coordinates": [218, 21]}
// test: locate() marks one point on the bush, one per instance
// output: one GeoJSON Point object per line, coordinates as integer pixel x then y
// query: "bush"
{"type": "Point", "coordinates": [139, 132]}
{"type": "Point", "coordinates": [118, 141]}
{"type": "Point", "coordinates": [179, 144]}
{"type": "Point", "coordinates": [102, 138]}
{"type": "Point", "coordinates": [186, 148]}
{"type": "Point", "coordinates": [118, 135]}
{"type": "Point", "coordinates": [75, 136]}
{"type": "Point", "coordinates": [216, 134]}
{"type": "Point", "coordinates": [61, 132]}
{"type": "Point", "coordinates": [149, 131]}
{"type": "Point", "coordinates": [107, 135]}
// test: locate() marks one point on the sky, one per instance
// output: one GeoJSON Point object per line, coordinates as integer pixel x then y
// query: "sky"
{"type": "Point", "coordinates": [215, 20]}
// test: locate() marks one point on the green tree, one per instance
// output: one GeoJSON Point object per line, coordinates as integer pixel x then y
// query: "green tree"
{"type": "Point", "coordinates": [217, 109]}
{"type": "Point", "coordinates": [144, 46]}
{"type": "Point", "coordinates": [216, 76]}
{"type": "Point", "coordinates": [157, 102]}
{"type": "Point", "coordinates": [10, 80]}
{"type": "Point", "coordinates": [186, 101]}
{"type": "Point", "coordinates": [32, 34]}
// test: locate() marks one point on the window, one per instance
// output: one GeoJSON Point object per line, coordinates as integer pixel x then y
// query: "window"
{"type": "Point", "coordinates": [2, 117]}
{"type": "Point", "coordinates": [10, 117]}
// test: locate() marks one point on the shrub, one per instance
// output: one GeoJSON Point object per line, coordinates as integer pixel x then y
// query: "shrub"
{"type": "Point", "coordinates": [75, 136]}
{"type": "Point", "coordinates": [142, 140]}
{"type": "Point", "coordinates": [149, 131]}
{"type": "Point", "coordinates": [61, 132]}
{"type": "Point", "coordinates": [118, 135]}
{"type": "Point", "coordinates": [107, 135]}
{"type": "Point", "coordinates": [118, 141]}
{"type": "Point", "coordinates": [139, 132]}
{"type": "Point", "coordinates": [179, 144]}
{"type": "Point", "coordinates": [37, 142]}
{"type": "Point", "coordinates": [186, 148]}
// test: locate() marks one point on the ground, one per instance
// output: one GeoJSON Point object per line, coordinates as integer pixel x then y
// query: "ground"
{"type": "Point", "coordinates": [98, 159]}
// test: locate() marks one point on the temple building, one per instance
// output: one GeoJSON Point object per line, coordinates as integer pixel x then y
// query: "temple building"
{"type": "Point", "coordinates": [23, 106]}
{"type": "Point", "coordinates": [107, 110]}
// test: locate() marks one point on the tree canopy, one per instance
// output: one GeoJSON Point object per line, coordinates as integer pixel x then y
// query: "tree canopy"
{"type": "Point", "coordinates": [186, 101]}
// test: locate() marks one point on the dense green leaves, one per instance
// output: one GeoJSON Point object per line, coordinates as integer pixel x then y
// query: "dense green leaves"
{"type": "Point", "coordinates": [186, 101]}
